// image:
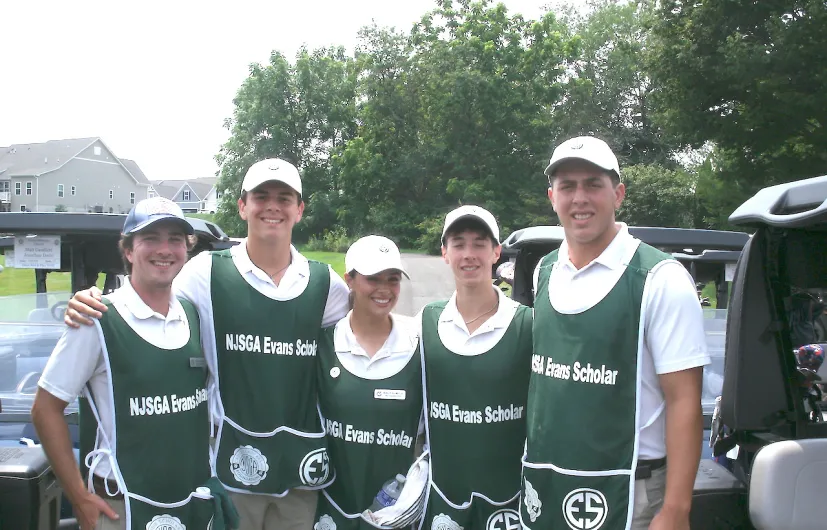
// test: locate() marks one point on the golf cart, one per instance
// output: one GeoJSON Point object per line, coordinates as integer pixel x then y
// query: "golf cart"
{"type": "Point", "coordinates": [84, 245]}
{"type": "Point", "coordinates": [767, 411]}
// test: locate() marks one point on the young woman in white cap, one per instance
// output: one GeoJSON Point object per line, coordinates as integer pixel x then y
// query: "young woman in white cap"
{"type": "Point", "coordinates": [370, 391]}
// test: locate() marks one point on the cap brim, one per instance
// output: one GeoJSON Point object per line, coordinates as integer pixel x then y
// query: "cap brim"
{"type": "Point", "coordinates": [371, 271]}
{"type": "Point", "coordinates": [188, 229]}
{"type": "Point", "coordinates": [262, 183]}
{"type": "Point", "coordinates": [468, 216]}
{"type": "Point", "coordinates": [554, 165]}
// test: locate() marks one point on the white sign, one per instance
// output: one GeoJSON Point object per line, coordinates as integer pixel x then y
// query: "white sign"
{"type": "Point", "coordinates": [9, 258]}
{"type": "Point", "coordinates": [730, 271]}
{"type": "Point", "coordinates": [38, 252]}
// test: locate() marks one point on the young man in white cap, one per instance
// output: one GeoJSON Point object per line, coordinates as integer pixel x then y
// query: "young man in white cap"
{"type": "Point", "coordinates": [262, 305]}
{"type": "Point", "coordinates": [476, 350]}
{"type": "Point", "coordinates": [148, 345]}
{"type": "Point", "coordinates": [616, 373]}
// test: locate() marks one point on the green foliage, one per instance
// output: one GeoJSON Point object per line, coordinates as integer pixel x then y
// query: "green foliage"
{"type": "Point", "coordinates": [335, 240]}
{"type": "Point", "coordinates": [61, 208]}
{"type": "Point", "coordinates": [657, 196]}
{"type": "Point", "coordinates": [466, 106]}
{"type": "Point", "coordinates": [750, 78]}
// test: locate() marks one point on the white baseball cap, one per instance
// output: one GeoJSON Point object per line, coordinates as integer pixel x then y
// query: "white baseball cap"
{"type": "Point", "coordinates": [272, 169]}
{"type": "Point", "coordinates": [474, 212]}
{"type": "Point", "coordinates": [372, 255]}
{"type": "Point", "coordinates": [588, 148]}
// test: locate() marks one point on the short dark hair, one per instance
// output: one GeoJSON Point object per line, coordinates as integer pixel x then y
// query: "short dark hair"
{"type": "Point", "coordinates": [472, 224]}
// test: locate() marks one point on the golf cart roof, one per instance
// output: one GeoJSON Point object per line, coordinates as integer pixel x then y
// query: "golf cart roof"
{"type": "Point", "coordinates": [791, 205]}
{"type": "Point", "coordinates": [684, 240]}
{"type": "Point", "coordinates": [80, 224]}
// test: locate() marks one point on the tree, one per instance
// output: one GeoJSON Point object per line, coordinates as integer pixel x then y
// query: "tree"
{"type": "Point", "coordinates": [297, 112]}
{"type": "Point", "coordinates": [609, 94]}
{"type": "Point", "coordinates": [459, 112]}
{"type": "Point", "coordinates": [657, 196]}
{"type": "Point", "coordinates": [749, 77]}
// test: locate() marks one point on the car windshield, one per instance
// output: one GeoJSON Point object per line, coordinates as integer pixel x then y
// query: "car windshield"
{"type": "Point", "coordinates": [715, 330]}
{"type": "Point", "coordinates": [30, 326]}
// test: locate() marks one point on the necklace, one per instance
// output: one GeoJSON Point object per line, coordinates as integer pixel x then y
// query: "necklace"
{"type": "Point", "coordinates": [280, 270]}
{"type": "Point", "coordinates": [482, 315]}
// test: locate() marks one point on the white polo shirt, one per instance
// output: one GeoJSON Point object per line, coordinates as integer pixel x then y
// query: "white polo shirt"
{"type": "Point", "coordinates": [673, 329]}
{"type": "Point", "coordinates": [78, 355]}
{"type": "Point", "coordinates": [389, 360]}
{"type": "Point", "coordinates": [193, 284]}
{"type": "Point", "coordinates": [454, 334]}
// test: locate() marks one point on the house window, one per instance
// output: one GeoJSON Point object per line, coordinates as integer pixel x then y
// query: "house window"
{"type": "Point", "coordinates": [60, 190]}
{"type": "Point", "coordinates": [131, 197]}
{"type": "Point", "coordinates": [186, 195]}
{"type": "Point", "coordinates": [111, 194]}
{"type": "Point", "coordinates": [150, 194]}
{"type": "Point", "coordinates": [97, 150]}
{"type": "Point", "coordinates": [28, 188]}
{"type": "Point", "coordinates": [17, 188]}
{"type": "Point", "coordinates": [22, 207]}
{"type": "Point", "coordinates": [73, 191]}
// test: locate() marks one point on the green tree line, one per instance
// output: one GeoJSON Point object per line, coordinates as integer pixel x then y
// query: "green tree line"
{"type": "Point", "coordinates": [704, 103]}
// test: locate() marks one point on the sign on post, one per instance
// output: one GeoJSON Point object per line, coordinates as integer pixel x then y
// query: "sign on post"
{"type": "Point", "coordinates": [37, 252]}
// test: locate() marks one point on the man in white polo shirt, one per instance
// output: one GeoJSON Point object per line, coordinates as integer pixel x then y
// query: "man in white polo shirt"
{"type": "Point", "coordinates": [262, 306]}
{"type": "Point", "coordinates": [476, 358]}
{"type": "Point", "coordinates": [616, 373]}
{"type": "Point", "coordinates": [142, 372]}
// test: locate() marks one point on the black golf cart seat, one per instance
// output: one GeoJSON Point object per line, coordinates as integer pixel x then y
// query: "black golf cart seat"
{"type": "Point", "coordinates": [782, 443]}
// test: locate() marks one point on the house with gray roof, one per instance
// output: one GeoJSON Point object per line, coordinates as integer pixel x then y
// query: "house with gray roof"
{"type": "Point", "coordinates": [74, 175]}
{"type": "Point", "coordinates": [193, 195]}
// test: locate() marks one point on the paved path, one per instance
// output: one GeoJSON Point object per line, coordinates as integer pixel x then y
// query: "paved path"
{"type": "Point", "coordinates": [431, 280]}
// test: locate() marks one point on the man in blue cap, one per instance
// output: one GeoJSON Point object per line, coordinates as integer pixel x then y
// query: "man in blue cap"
{"type": "Point", "coordinates": [142, 378]}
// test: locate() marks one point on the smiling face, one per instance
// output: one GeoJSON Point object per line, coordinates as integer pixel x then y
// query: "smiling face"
{"type": "Point", "coordinates": [471, 254]}
{"type": "Point", "coordinates": [157, 254]}
{"type": "Point", "coordinates": [585, 198]}
{"type": "Point", "coordinates": [376, 294]}
{"type": "Point", "coordinates": [271, 210]}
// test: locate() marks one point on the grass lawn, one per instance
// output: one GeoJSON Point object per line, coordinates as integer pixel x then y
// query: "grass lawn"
{"type": "Point", "coordinates": [334, 259]}
{"type": "Point", "coordinates": [21, 281]}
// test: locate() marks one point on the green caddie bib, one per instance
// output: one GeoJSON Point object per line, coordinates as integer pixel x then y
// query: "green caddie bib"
{"type": "Point", "coordinates": [582, 439]}
{"type": "Point", "coordinates": [475, 424]}
{"type": "Point", "coordinates": [270, 437]}
{"type": "Point", "coordinates": [159, 446]}
{"type": "Point", "coordinates": [371, 430]}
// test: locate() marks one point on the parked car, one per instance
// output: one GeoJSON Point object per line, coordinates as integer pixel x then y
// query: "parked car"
{"type": "Point", "coordinates": [31, 324]}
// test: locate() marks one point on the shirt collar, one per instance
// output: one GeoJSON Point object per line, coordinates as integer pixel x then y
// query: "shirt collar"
{"type": "Point", "coordinates": [500, 319]}
{"type": "Point", "coordinates": [613, 257]}
{"type": "Point", "coordinates": [135, 304]}
{"type": "Point", "coordinates": [344, 341]}
{"type": "Point", "coordinates": [298, 263]}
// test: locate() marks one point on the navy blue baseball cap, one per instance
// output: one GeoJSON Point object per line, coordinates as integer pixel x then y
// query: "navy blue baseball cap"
{"type": "Point", "coordinates": [152, 210]}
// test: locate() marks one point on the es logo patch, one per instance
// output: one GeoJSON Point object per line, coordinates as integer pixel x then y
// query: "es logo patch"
{"type": "Point", "coordinates": [503, 520]}
{"type": "Point", "coordinates": [315, 468]}
{"type": "Point", "coordinates": [585, 509]}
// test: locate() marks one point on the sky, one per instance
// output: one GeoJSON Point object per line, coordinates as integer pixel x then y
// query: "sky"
{"type": "Point", "coordinates": [155, 79]}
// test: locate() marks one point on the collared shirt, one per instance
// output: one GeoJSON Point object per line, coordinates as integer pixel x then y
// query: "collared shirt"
{"type": "Point", "coordinates": [78, 356]}
{"type": "Point", "coordinates": [673, 330]}
{"type": "Point", "coordinates": [388, 361]}
{"type": "Point", "coordinates": [194, 284]}
{"type": "Point", "coordinates": [454, 334]}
